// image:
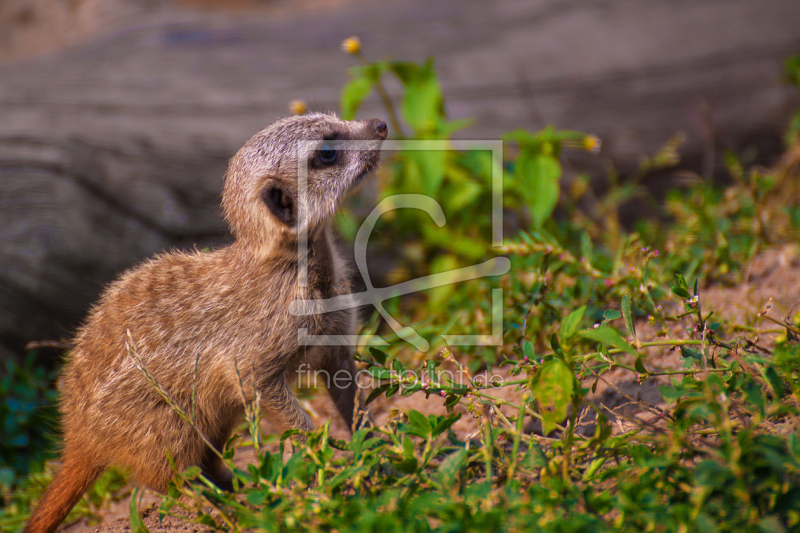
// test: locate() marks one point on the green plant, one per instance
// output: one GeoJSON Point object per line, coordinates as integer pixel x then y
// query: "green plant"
{"type": "Point", "coordinates": [27, 418]}
{"type": "Point", "coordinates": [461, 181]}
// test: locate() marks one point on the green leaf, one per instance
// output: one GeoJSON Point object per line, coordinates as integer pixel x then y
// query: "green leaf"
{"type": "Point", "coordinates": [527, 349]}
{"type": "Point", "coordinates": [694, 353]}
{"type": "Point", "coordinates": [445, 424]}
{"type": "Point", "coordinates": [257, 498]}
{"type": "Point", "coordinates": [458, 196]}
{"type": "Point", "coordinates": [639, 366]}
{"type": "Point", "coordinates": [378, 355]}
{"type": "Point", "coordinates": [404, 70]}
{"type": "Point", "coordinates": [680, 292]}
{"type": "Point", "coordinates": [344, 475]}
{"type": "Point", "coordinates": [137, 524]}
{"type": "Point", "coordinates": [376, 392]}
{"type": "Point", "coordinates": [431, 165]}
{"type": "Point", "coordinates": [775, 381]}
{"type": "Point", "coordinates": [538, 176]}
{"type": "Point", "coordinates": [552, 387]}
{"type": "Point", "coordinates": [423, 102]}
{"type": "Point", "coordinates": [420, 423]}
{"type": "Point", "coordinates": [353, 94]}
{"type": "Point", "coordinates": [447, 128]}
{"type": "Point", "coordinates": [609, 337]}
{"type": "Point", "coordinates": [586, 246]}
{"type": "Point", "coordinates": [569, 326]}
{"type": "Point", "coordinates": [626, 312]}
{"type": "Point", "coordinates": [450, 467]}
{"type": "Point", "coordinates": [450, 401]}
{"type": "Point", "coordinates": [555, 344]}
{"type": "Point", "coordinates": [611, 314]}
{"type": "Point", "coordinates": [409, 463]}
{"type": "Point", "coordinates": [206, 520]}
{"type": "Point", "coordinates": [670, 393]}
{"type": "Point", "coordinates": [379, 372]}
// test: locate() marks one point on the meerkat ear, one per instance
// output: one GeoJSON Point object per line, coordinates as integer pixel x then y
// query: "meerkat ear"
{"type": "Point", "coordinates": [280, 202]}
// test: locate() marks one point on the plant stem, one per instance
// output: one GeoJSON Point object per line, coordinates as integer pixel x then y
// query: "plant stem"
{"type": "Point", "coordinates": [387, 102]}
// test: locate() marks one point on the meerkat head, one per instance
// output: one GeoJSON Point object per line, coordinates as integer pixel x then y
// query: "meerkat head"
{"type": "Point", "coordinates": [293, 175]}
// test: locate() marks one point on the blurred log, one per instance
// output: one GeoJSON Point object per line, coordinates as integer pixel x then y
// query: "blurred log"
{"type": "Point", "coordinates": [74, 214]}
{"type": "Point", "coordinates": [113, 149]}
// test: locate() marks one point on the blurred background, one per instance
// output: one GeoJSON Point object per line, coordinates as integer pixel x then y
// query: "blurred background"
{"type": "Point", "coordinates": [117, 117]}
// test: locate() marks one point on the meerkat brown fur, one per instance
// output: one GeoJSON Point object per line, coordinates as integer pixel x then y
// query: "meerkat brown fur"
{"type": "Point", "coordinates": [222, 309]}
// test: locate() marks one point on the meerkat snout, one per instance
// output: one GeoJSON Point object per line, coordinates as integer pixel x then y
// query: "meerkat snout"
{"type": "Point", "coordinates": [214, 327]}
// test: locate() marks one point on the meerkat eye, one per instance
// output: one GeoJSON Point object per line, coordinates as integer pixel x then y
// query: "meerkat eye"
{"type": "Point", "coordinates": [328, 154]}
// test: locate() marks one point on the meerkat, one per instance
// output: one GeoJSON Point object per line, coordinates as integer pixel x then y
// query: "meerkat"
{"type": "Point", "coordinates": [216, 317]}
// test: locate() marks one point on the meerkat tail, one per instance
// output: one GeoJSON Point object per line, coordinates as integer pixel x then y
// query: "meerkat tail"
{"type": "Point", "coordinates": [73, 479]}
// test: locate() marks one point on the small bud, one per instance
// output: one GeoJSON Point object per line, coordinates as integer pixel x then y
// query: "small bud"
{"type": "Point", "coordinates": [352, 45]}
{"type": "Point", "coordinates": [442, 394]}
{"type": "Point", "coordinates": [298, 107]}
{"type": "Point", "coordinates": [592, 143]}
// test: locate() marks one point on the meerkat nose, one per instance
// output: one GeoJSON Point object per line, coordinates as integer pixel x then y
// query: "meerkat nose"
{"type": "Point", "coordinates": [378, 127]}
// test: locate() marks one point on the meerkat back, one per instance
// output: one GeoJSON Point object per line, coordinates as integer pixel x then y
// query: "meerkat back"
{"type": "Point", "coordinates": [205, 319]}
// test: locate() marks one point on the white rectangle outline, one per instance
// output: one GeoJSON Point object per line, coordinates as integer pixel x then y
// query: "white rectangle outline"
{"type": "Point", "coordinates": [305, 147]}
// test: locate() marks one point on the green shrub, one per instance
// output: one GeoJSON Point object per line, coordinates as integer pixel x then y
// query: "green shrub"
{"type": "Point", "coordinates": [28, 417]}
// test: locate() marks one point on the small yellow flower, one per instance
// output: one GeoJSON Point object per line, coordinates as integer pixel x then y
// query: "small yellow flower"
{"type": "Point", "coordinates": [298, 107]}
{"type": "Point", "coordinates": [352, 45]}
{"type": "Point", "coordinates": [592, 144]}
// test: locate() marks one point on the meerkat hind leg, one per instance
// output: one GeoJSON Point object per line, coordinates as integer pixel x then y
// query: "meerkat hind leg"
{"type": "Point", "coordinates": [342, 383]}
